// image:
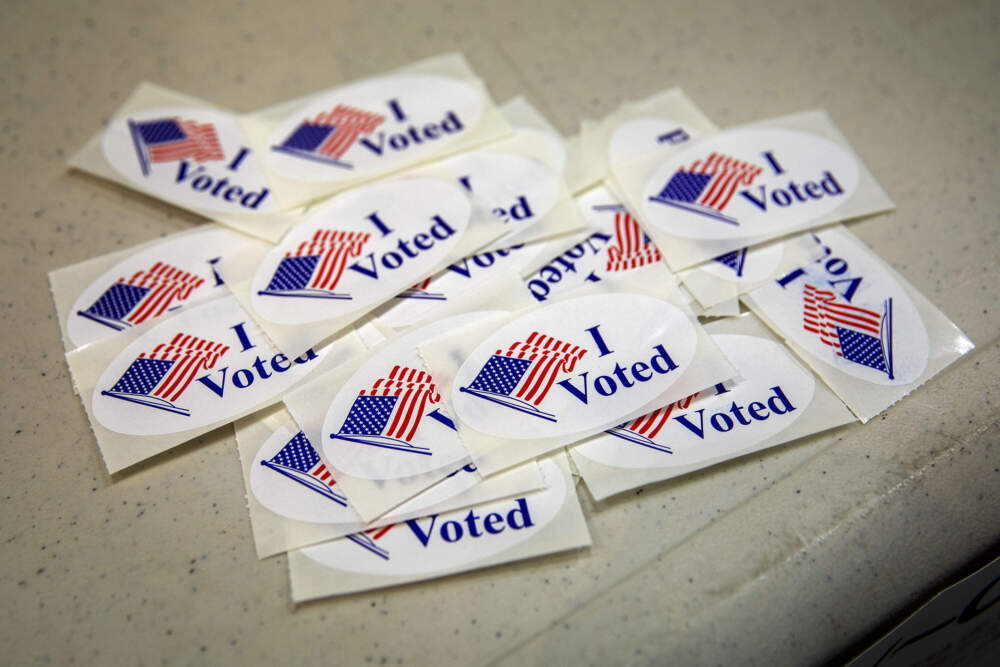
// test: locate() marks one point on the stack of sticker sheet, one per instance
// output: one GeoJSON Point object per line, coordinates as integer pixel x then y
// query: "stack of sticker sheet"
{"type": "Point", "coordinates": [429, 317]}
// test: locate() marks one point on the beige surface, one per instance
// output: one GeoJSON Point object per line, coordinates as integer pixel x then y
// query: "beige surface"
{"type": "Point", "coordinates": [789, 557]}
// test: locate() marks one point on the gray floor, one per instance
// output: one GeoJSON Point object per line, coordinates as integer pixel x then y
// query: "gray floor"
{"type": "Point", "coordinates": [793, 557]}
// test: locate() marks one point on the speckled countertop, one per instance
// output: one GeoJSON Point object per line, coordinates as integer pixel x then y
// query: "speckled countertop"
{"type": "Point", "coordinates": [792, 557]}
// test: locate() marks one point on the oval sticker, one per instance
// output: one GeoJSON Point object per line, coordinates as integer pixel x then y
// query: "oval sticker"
{"type": "Point", "coordinates": [207, 364]}
{"type": "Point", "coordinates": [200, 158]}
{"type": "Point", "coordinates": [573, 365]}
{"type": "Point", "coordinates": [746, 265]}
{"type": "Point", "coordinates": [448, 541]}
{"type": "Point", "coordinates": [386, 422]}
{"type": "Point", "coordinates": [849, 312]}
{"type": "Point", "coordinates": [717, 422]}
{"type": "Point", "coordinates": [154, 282]}
{"type": "Point", "coordinates": [359, 249]}
{"type": "Point", "coordinates": [635, 138]}
{"type": "Point", "coordinates": [373, 127]}
{"type": "Point", "coordinates": [747, 183]}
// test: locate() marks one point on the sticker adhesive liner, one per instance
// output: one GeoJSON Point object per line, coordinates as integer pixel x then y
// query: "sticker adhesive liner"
{"type": "Point", "coordinates": [489, 534]}
{"type": "Point", "coordinates": [339, 138]}
{"type": "Point", "coordinates": [868, 333]}
{"type": "Point", "coordinates": [554, 374]}
{"type": "Point", "coordinates": [748, 185]}
{"type": "Point", "coordinates": [118, 291]}
{"type": "Point", "coordinates": [161, 384]}
{"type": "Point", "coordinates": [380, 422]}
{"type": "Point", "coordinates": [189, 153]}
{"type": "Point", "coordinates": [777, 401]}
{"type": "Point", "coordinates": [294, 501]}
{"type": "Point", "coordinates": [354, 252]}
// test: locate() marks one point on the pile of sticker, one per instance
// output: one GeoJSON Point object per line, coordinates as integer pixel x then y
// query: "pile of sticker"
{"type": "Point", "coordinates": [427, 315]}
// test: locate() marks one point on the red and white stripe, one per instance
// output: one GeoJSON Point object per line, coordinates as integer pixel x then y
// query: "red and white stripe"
{"type": "Point", "coordinates": [632, 249]}
{"type": "Point", "coordinates": [201, 143]}
{"type": "Point", "coordinates": [322, 473]}
{"type": "Point", "coordinates": [549, 358]}
{"type": "Point", "coordinates": [348, 124]}
{"type": "Point", "coordinates": [167, 284]}
{"type": "Point", "coordinates": [821, 314]}
{"type": "Point", "coordinates": [649, 424]}
{"type": "Point", "coordinates": [336, 248]}
{"type": "Point", "coordinates": [415, 390]}
{"type": "Point", "coordinates": [728, 174]}
{"type": "Point", "coordinates": [190, 355]}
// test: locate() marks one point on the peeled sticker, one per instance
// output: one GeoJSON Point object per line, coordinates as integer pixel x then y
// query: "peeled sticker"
{"type": "Point", "coordinates": [491, 533]}
{"type": "Point", "coordinates": [294, 500]}
{"type": "Point", "coordinates": [613, 243]}
{"type": "Point", "coordinates": [748, 185]}
{"type": "Point", "coordinates": [122, 290]}
{"type": "Point", "coordinates": [555, 374]}
{"type": "Point", "coordinates": [164, 384]}
{"type": "Point", "coordinates": [777, 400]}
{"type": "Point", "coordinates": [869, 334]}
{"type": "Point", "coordinates": [189, 153]}
{"type": "Point", "coordinates": [336, 139]}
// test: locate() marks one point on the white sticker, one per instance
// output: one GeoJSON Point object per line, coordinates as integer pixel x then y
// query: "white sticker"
{"type": "Point", "coordinates": [361, 248]}
{"type": "Point", "coordinates": [614, 244]}
{"type": "Point", "coordinates": [386, 421]}
{"type": "Point", "coordinates": [207, 364]}
{"type": "Point", "coordinates": [197, 157]}
{"type": "Point", "coordinates": [373, 126]}
{"type": "Point", "coordinates": [749, 182]}
{"type": "Point", "coordinates": [152, 283]}
{"type": "Point", "coordinates": [573, 365]}
{"type": "Point", "coordinates": [746, 265]}
{"type": "Point", "coordinates": [635, 138]}
{"type": "Point", "coordinates": [450, 542]}
{"type": "Point", "coordinates": [848, 312]}
{"type": "Point", "coordinates": [775, 392]}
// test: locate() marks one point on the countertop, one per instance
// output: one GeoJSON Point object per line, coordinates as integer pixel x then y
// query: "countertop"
{"type": "Point", "coordinates": [799, 555]}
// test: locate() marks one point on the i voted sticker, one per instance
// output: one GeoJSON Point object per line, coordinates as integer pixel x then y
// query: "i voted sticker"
{"type": "Point", "coordinates": [360, 249]}
{"type": "Point", "coordinates": [289, 477]}
{"type": "Point", "coordinates": [573, 365]}
{"type": "Point", "coordinates": [200, 158]}
{"type": "Point", "coordinates": [373, 127]}
{"type": "Point", "coordinates": [152, 283]}
{"type": "Point", "coordinates": [634, 138]}
{"type": "Point", "coordinates": [452, 540]}
{"type": "Point", "coordinates": [207, 364]}
{"type": "Point", "coordinates": [749, 182]}
{"type": "Point", "coordinates": [746, 265]}
{"type": "Point", "coordinates": [846, 310]}
{"type": "Point", "coordinates": [774, 393]}
{"type": "Point", "coordinates": [387, 422]}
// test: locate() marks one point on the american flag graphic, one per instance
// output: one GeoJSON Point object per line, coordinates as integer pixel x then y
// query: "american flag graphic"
{"type": "Point", "coordinates": [734, 260]}
{"type": "Point", "coordinates": [330, 134]}
{"type": "Point", "coordinates": [299, 461]}
{"type": "Point", "coordinates": [172, 139]}
{"type": "Point", "coordinates": [148, 293]}
{"type": "Point", "coordinates": [632, 248]}
{"type": "Point", "coordinates": [521, 377]}
{"type": "Point", "coordinates": [706, 186]}
{"type": "Point", "coordinates": [389, 414]}
{"type": "Point", "coordinates": [314, 268]}
{"type": "Point", "coordinates": [856, 334]}
{"type": "Point", "coordinates": [367, 539]}
{"type": "Point", "coordinates": [158, 379]}
{"type": "Point", "coordinates": [643, 430]}
{"type": "Point", "coordinates": [420, 291]}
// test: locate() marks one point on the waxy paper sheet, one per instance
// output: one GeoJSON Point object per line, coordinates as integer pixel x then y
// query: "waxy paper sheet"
{"type": "Point", "coordinates": [555, 373]}
{"type": "Point", "coordinates": [503, 531]}
{"type": "Point", "coordinates": [163, 383]}
{"type": "Point", "coordinates": [294, 501]}
{"type": "Point", "coordinates": [748, 185]}
{"type": "Point", "coordinates": [380, 421]}
{"type": "Point", "coordinates": [336, 139]}
{"type": "Point", "coordinates": [121, 290]}
{"type": "Point", "coordinates": [192, 154]}
{"type": "Point", "coordinates": [778, 400]}
{"type": "Point", "coordinates": [861, 326]}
